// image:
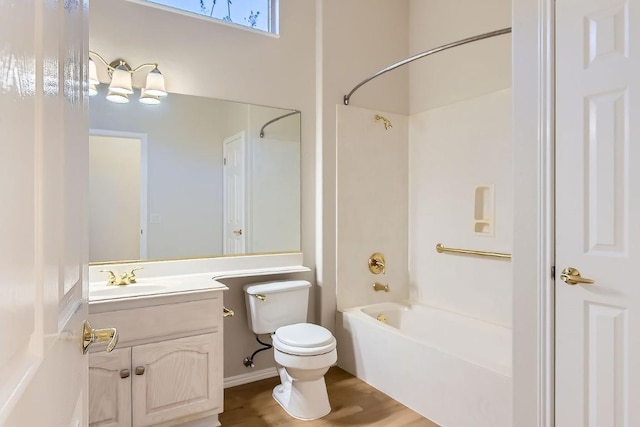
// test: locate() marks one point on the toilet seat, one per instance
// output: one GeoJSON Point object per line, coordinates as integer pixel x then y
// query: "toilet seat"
{"type": "Point", "coordinates": [303, 339]}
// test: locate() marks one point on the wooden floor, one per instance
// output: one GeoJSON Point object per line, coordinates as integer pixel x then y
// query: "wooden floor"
{"type": "Point", "coordinates": [353, 403]}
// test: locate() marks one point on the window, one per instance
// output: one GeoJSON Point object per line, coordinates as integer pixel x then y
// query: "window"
{"type": "Point", "coordinates": [256, 14]}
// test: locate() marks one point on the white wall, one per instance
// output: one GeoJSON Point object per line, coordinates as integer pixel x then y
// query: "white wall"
{"type": "Point", "coordinates": [453, 150]}
{"type": "Point", "coordinates": [465, 71]}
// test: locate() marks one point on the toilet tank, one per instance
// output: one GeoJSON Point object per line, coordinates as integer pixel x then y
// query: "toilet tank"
{"type": "Point", "coordinates": [271, 305]}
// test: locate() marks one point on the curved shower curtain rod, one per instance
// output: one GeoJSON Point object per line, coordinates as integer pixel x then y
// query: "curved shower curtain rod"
{"type": "Point", "coordinates": [427, 53]}
{"type": "Point", "coordinates": [275, 120]}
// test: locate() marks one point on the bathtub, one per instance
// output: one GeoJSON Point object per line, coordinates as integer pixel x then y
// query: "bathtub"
{"type": "Point", "coordinates": [450, 368]}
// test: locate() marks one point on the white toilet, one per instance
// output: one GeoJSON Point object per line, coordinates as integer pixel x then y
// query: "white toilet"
{"type": "Point", "coordinates": [303, 351]}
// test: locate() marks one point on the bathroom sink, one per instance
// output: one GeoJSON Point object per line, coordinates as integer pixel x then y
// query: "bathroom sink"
{"type": "Point", "coordinates": [123, 291]}
{"type": "Point", "coordinates": [100, 292]}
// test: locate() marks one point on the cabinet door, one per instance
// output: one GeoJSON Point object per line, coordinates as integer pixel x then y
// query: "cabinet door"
{"type": "Point", "coordinates": [176, 378]}
{"type": "Point", "coordinates": [110, 389]}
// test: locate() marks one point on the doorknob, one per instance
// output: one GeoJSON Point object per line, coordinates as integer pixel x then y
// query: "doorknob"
{"type": "Point", "coordinates": [571, 276]}
{"type": "Point", "coordinates": [90, 336]}
{"type": "Point", "coordinates": [238, 232]}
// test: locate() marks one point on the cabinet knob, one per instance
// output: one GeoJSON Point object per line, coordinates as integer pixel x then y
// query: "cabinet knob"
{"type": "Point", "coordinates": [125, 373]}
{"type": "Point", "coordinates": [139, 370]}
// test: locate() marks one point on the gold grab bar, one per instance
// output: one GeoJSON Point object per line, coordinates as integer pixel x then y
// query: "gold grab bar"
{"type": "Point", "coordinates": [440, 248]}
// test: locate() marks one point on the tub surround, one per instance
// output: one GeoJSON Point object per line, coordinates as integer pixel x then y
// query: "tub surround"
{"type": "Point", "coordinates": [372, 211]}
{"type": "Point", "coordinates": [444, 207]}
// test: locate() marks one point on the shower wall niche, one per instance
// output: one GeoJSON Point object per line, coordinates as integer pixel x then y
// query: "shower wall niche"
{"type": "Point", "coordinates": [483, 207]}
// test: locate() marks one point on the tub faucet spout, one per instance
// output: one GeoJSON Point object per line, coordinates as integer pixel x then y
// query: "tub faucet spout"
{"type": "Point", "coordinates": [380, 287]}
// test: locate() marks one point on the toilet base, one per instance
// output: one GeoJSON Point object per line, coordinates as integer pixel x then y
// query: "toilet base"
{"type": "Point", "coordinates": [304, 400]}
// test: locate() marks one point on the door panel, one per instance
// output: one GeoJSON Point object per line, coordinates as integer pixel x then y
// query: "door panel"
{"type": "Point", "coordinates": [234, 181]}
{"type": "Point", "coordinates": [17, 173]}
{"type": "Point", "coordinates": [597, 205]}
{"type": "Point", "coordinates": [43, 183]}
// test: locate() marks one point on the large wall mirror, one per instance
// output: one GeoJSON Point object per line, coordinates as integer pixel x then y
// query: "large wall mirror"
{"type": "Point", "coordinates": [190, 178]}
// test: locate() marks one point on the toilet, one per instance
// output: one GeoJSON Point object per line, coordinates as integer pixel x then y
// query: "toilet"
{"type": "Point", "coordinates": [303, 351]}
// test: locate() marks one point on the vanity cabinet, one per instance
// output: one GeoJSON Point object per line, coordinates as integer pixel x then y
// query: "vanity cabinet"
{"type": "Point", "coordinates": [167, 369]}
{"type": "Point", "coordinates": [176, 378]}
{"type": "Point", "coordinates": [110, 388]}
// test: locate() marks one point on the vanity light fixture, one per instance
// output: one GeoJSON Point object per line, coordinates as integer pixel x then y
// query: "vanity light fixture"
{"type": "Point", "coordinates": [121, 84]}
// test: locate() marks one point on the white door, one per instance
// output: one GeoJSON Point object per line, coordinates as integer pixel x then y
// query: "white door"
{"type": "Point", "coordinates": [117, 196]}
{"type": "Point", "coordinates": [598, 213]}
{"type": "Point", "coordinates": [234, 232]}
{"type": "Point", "coordinates": [43, 152]}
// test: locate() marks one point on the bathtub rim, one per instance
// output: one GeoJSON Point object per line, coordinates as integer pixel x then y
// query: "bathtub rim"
{"type": "Point", "coordinates": [507, 370]}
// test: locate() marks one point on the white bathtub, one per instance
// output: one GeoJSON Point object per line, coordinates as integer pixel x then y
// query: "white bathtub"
{"type": "Point", "coordinates": [450, 368]}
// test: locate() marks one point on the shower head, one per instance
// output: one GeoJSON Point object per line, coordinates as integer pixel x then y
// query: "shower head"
{"type": "Point", "coordinates": [387, 122]}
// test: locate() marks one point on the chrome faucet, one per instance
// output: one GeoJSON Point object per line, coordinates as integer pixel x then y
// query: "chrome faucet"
{"type": "Point", "coordinates": [123, 279]}
{"type": "Point", "coordinates": [380, 287]}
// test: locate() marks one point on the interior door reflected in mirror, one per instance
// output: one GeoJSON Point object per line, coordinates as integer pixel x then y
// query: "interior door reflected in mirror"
{"type": "Point", "coordinates": [190, 178]}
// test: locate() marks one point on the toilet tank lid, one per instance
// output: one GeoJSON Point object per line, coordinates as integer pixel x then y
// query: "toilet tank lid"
{"type": "Point", "coordinates": [275, 286]}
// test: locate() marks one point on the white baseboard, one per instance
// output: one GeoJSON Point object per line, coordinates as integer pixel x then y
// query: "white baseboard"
{"type": "Point", "coordinates": [250, 377]}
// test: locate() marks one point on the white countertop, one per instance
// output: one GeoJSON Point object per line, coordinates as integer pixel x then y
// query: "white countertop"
{"type": "Point", "coordinates": [156, 290]}
{"type": "Point", "coordinates": [100, 291]}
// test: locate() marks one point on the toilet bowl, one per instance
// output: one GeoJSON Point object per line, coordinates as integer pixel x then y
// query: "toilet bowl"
{"type": "Point", "coordinates": [304, 352]}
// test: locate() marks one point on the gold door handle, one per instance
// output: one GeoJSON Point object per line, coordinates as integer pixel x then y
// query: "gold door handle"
{"type": "Point", "coordinates": [571, 276]}
{"type": "Point", "coordinates": [125, 373]}
{"type": "Point", "coordinates": [238, 232]}
{"type": "Point", "coordinates": [139, 370]}
{"type": "Point", "coordinates": [227, 312]}
{"type": "Point", "coordinates": [90, 336]}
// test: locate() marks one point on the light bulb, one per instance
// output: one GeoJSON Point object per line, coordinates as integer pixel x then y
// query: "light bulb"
{"type": "Point", "coordinates": [118, 98]}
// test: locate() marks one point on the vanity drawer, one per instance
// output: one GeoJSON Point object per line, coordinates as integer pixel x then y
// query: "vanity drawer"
{"type": "Point", "coordinates": [148, 324]}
